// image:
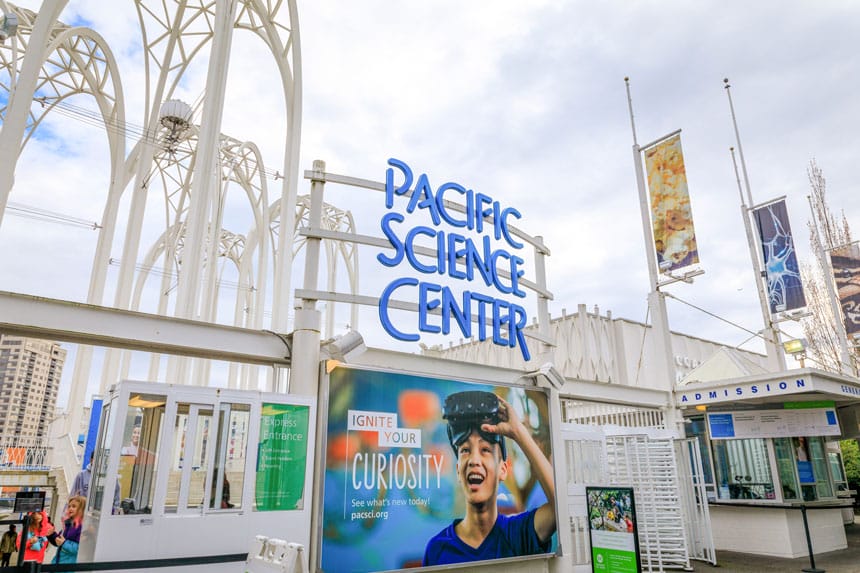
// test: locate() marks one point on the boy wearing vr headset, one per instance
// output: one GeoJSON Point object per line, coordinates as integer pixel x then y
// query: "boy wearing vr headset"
{"type": "Point", "coordinates": [478, 423]}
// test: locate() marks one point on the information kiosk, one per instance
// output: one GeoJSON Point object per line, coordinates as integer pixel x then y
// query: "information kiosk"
{"type": "Point", "coordinates": [183, 471]}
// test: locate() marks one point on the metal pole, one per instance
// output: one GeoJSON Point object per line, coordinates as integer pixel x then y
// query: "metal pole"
{"type": "Point", "coordinates": [200, 226]}
{"type": "Point", "coordinates": [656, 299]}
{"type": "Point", "coordinates": [25, 529]}
{"type": "Point", "coordinates": [304, 371]}
{"type": "Point", "coordinates": [775, 356]}
{"type": "Point", "coordinates": [811, 568]}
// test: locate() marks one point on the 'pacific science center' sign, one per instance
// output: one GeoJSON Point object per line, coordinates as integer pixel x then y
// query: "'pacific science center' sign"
{"type": "Point", "coordinates": [472, 245]}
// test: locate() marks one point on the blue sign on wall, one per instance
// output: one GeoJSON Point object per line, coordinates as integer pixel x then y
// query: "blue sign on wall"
{"type": "Point", "coordinates": [92, 430]}
{"type": "Point", "coordinates": [722, 425]}
{"type": "Point", "coordinates": [805, 473]}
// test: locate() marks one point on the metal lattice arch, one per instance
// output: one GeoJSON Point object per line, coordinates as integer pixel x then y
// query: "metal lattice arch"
{"type": "Point", "coordinates": [241, 165]}
{"type": "Point", "coordinates": [76, 60]}
{"type": "Point", "coordinates": [333, 219]}
{"type": "Point", "coordinates": [193, 172]}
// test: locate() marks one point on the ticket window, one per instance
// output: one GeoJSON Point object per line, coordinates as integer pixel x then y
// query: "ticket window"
{"type": "Point", "coordinates": [803, 468]}
{"type": "Point", "coordinates": [821, 471]}
{"type": "Point", "coordinates": [786, 465]}
{"type": "Point", "coordinates": [743, 469]}
{"type": "Point", "coordinates": [837, 470]}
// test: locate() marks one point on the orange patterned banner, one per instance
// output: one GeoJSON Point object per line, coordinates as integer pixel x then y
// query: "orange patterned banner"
{"type": "Point", "coordinates": [671, 217]}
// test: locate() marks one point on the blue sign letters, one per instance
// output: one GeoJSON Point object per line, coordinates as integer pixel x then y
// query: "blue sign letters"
{"type": "Point", "coordinates": [458, 256]}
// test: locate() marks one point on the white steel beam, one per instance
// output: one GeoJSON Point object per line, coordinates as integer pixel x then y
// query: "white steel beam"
{"type": "Point", "coordinates": [615, 393]}
{"type": "Point", "coordinates": [67, 321]}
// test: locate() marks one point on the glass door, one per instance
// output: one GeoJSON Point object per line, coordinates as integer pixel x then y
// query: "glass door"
{"type": "Point", "coordinates": [787, 470]}
{"type": "Point", "coordinates": [191, 458]}
{"type": "Point", "coordinates": [818, 457]}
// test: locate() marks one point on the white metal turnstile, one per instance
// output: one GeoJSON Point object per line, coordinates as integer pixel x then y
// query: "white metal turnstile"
{"type": "Point", "coordinates": [666, 474]}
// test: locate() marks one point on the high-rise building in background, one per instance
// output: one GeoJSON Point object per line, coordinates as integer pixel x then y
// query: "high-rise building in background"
{"type": "Point", "coordinates": [30, 372]}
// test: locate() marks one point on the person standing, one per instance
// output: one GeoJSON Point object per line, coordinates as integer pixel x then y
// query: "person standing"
{"type": "Point", "coordinates": [37, 537]}
{"type": "Point", "coordinates": [81, 485]}
{"type": "Point", "coordinates": [68, 540]}
{"type": "Point", "coordinates": [8, 545]}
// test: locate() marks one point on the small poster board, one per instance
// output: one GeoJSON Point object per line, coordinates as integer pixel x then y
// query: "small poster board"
{"type": "Point", "coordinates": [27, 501]}
{"type": "Point", "coordinates": [613, 530]}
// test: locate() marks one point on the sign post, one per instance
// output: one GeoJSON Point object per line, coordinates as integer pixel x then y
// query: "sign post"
{"type": "Point", "coordinates": [27, 501]}
{"type": "Point", "coordinates": [613, 530]}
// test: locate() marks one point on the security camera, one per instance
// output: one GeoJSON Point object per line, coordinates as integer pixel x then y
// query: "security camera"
{"type": "Point", "coordinates": [550, 374]}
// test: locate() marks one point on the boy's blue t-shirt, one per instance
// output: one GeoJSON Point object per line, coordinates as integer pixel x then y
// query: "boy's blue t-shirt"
{"type": "Point", "coordinates": [510, 537]}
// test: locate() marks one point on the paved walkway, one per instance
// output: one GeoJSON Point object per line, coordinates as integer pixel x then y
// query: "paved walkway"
{"type": "Point", "coordinates": [844, 561]}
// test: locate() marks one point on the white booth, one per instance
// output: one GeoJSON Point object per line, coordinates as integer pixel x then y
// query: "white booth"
{"type": "Point", "coordinates": [180, 470]}
{"type": "Point", "coordinates": [770, 445]}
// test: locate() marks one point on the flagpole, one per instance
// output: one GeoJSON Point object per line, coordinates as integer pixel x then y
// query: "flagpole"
{"type": "Point", "coordinates": [664, 365]}
{"type": "Point", "coordinates": [775, 356]}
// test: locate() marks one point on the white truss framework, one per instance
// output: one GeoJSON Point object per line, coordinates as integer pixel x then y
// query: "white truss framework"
{"type": "Point", "coordinates": [193, 173]}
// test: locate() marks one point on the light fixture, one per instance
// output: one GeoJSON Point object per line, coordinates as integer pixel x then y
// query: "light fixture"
{"type": "Point", "coordinates": [9, 26]}
{"type": "Point", "coordinates": [146, 401]}
{"type": "Point", "coordinates": [345, 347]}
{"type": "Point", "coordinates": [797, 348]}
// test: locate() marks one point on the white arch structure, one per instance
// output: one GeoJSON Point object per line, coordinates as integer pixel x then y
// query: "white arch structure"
{"type": "Point", "coordinates": [47, 61]}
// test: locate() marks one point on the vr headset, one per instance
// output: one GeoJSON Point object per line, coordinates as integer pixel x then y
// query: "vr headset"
{"type": "Point", "coordinates": [466, 411]}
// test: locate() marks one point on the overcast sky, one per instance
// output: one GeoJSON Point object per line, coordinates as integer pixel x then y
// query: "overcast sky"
{"type": "Point", "coordinates": [523, 101]}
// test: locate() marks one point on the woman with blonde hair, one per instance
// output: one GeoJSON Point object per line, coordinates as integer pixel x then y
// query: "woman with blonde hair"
{"type": "Point", "coordinates": [67, 542]}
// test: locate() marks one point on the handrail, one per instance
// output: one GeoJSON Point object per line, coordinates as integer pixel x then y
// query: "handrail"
{"type": "Point", "coordinates": [800, 506]}
{"type": "Point", "coordinates": [31, 566]}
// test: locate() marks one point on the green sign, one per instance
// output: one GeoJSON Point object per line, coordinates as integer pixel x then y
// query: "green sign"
{"type": "Point", "coordinates": [808, 405]}
{"type": "Point", "coordinates": [282, 454]}
{"type": "Point", "coordinates": [613, 529]}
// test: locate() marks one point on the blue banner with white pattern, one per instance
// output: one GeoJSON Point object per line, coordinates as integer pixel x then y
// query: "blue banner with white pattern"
{"type": "Point", "coordinates": [784, 288]}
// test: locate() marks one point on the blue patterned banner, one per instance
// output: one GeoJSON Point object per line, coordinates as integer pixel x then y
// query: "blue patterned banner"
{"type": "Point", "coordinates": [846, 270]}
{"type": "Point", "coordinates": [784, 288]}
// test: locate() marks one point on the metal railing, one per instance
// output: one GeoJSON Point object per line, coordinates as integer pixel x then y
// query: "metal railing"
{"type": "Point", "coordinates": [22, 453]}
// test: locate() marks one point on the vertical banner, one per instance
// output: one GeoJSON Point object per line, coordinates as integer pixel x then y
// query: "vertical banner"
{"type": "Point", "coordinates": [282, 457]}
{"type": "Point", "coordinates": [410, 465]}
{"type": "Point", "coordinates": [671, 216]}
{"type": "Point", "coordinates": [784, 288]}
{"type": "Point", "coordinates": [613, 530]}
{"type": "Point", "coordinates": [846, 270]}
{"type": "Point", "coordinates": [92, 430]}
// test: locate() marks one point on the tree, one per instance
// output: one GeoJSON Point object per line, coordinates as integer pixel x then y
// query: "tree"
{"type": "Point", "coordinates": [821, 328]}
{"type": "Point", "coordinates": [851, 460]}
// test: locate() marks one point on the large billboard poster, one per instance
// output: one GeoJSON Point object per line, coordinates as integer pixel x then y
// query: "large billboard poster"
{"type": "Point", "coordinates": [784, 288]}
{"type": "Point", "coordinates": [846, 270]}
{"type": "Point", "coordinates": [613, 529]}
{"type": "Point", "coordinates": [396, 494]}
{"type": "Point", "coordinates": [671, 216]}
